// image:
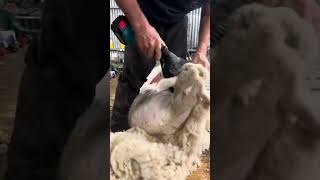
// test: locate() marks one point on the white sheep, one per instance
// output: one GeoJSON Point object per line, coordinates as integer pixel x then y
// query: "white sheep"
{"type": "Point", "coordinates": [171, 150]}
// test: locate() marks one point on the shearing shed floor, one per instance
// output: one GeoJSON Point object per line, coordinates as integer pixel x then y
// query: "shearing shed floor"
{"type": "Point", "coordinates": [11, 69]}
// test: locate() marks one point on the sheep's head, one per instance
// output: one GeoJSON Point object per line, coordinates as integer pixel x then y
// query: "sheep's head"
{"type": "Point", "coordinates": [261, 41]}
{"type": "Point", "coordinates": [191, 72]}
{"type": "Point", "coordinates": [190, 84]}
{"type": "Point", "coordinates": [191, 76]}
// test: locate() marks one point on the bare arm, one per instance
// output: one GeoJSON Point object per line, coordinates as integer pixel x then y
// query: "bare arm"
{"type": "Point", "coordinates": [133, 12]}
{"type": "Point", "coordinates": [200, 56]}
{"type": "Point", "coordinates": [204, 37]}
{"type": "Point", "coordinates": [148, 40]}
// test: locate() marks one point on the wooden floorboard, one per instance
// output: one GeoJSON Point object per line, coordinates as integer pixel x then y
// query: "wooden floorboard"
{"type": "Point", "coordinates": [11, 68]}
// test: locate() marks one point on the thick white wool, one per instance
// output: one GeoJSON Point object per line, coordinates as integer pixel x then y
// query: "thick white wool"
{"type": "Point", "coordinates": [135, 154]}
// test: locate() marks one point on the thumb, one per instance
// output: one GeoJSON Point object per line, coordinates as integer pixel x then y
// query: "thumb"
{"type": "Point", "coordinates": [163, 44]}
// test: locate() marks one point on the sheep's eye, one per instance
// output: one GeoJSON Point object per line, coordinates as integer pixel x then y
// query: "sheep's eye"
{"type": "Point", "coordinates": [292, 38]}
{"type": "Point", "coordinates": [291, 41]}
{"type": "Point", "coordinates": [201, 74]}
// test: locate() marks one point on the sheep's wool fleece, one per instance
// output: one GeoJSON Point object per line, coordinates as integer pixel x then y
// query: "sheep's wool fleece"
{"type": "Point", "coordinates": [134, 154]}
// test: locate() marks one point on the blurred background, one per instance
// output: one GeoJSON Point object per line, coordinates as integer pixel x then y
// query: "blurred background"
{"type": "Point", "coordinates": [19, 23]}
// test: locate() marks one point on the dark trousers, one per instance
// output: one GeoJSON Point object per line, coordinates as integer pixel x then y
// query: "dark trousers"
{"type": "Point", "coordinates": [85, 155]}
{"type": "Point", "coordinates": [136, 69]}
{"type": "Point", "coordinates": [62, 69]}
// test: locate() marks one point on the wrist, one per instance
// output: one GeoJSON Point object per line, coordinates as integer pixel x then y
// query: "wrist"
{"type": "Point", "coordinates": [202, 48]}
{"type": "Point", "coordinates": [201, 51]}
{"type": "Point", "coordinates": [140, 24]}
{"type": "Point", "coordinates": [199, 57]}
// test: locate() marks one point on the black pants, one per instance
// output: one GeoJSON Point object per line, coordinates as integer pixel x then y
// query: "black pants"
{"type": "Point", "coordinates": [85, 156]}
{"type": "Point", "coordinates": [63, 67]}
{"type": "Point", "coordinates": [136, 69]}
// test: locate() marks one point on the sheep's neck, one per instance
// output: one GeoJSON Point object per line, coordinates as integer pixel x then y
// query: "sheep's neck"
{"type": "Point", "coordinates": [180, 105]}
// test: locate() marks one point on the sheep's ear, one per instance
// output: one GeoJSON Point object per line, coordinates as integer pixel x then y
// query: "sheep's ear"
{"type": "Point", "coordinates": [247, 93]}
{"type": "Point", "coordinates": [187, 90]}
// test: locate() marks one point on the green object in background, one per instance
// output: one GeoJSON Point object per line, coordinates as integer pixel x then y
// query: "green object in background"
{"type": "Point", "coordinates": [3, 2]}
{"type": "Point", "coordinates": [5, 20]}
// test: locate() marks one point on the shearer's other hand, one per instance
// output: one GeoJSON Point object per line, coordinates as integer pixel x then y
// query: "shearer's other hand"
{"type": "Point", "coordinates": [200, 58]}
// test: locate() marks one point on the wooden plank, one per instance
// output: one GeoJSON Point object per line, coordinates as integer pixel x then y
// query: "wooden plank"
{"type": "Point", "coordinates": [11, 68]}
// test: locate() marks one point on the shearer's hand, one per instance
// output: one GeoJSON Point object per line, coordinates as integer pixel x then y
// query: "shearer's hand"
{"type": "Point", "coordinates": [201, 58]}
{"type": "Point", "coordinates": [149, 42]}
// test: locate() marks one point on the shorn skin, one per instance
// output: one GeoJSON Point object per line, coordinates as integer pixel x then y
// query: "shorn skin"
{"type": "Point", "coordinates": [171, 151]}
{"type": "Point", "coordinates": [263, 131]}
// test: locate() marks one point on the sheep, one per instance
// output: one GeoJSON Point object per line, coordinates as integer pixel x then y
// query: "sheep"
{"type": "Point", "coordinates": [147, 152]}
{"type": "Point", "coordinates": [169, 110]}
{"type": "Point", "coordinates": [262, 128]}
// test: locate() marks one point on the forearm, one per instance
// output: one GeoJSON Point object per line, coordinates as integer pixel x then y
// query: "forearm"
{"type": "Point", "coordinates": [133, 12]}
{"type": "Point", "coordinates": [204, 36]}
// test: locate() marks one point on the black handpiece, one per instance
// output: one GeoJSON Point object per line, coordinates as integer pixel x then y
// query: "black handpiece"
{"type": "Point", "coordinates": [170, 63]}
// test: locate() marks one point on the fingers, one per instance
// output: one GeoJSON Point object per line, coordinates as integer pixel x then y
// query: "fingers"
{"type": "Point", "coordinates": [158, 51]}
{"type": "Point", "coordinates": [163, 44]}
{"type": "Point", "coordinates": [201, 59]}
{"type": "Point", "coordinates": [149, 42]}
{"type": "Point", "coordinates": [150, 51]}
{"type": "Point", "coordinates": [207, 66]}
{"type": "Point", "coordinates": [155, 51]}
{"type": "Point", "coordinates": [141, 47]}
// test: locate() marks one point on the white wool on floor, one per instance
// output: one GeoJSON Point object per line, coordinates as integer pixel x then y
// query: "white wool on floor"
{"type": "Point", "coordinates": [134, 154]}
